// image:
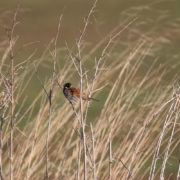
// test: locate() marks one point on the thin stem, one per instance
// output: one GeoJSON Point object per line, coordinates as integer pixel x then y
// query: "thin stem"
{"type": "Point", "coordinates": [110, 158]}
{"type": "Point", "coordinates": [82, 120]}
{"type": "Point", "coordinates": [125, 167]}
{"type": "Point", "coordinates": [79, 160]}
{"type": "Point", "coordinates": [1, 143]}
{"type": "Point", "coordinates": [50, 97]}
{"type": "Point", "coordinates": [93, 153]}
{"type": "Point", "coordinates": [85, 26]}
{"type": "Point", "coordinates": [11, 43]}
{"type": "Point", "coordinates": [178, 173]}
{"type": "Point", "coordinates": [48, 133]}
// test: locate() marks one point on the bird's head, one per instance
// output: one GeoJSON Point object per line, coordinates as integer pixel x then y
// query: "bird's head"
{"type": "Point", "coordinates": [67, 85]}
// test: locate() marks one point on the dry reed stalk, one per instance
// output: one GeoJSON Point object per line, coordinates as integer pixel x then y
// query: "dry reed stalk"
{"type": "Point", "coordinates": [93, 152]}
{"type": "Point", "coordinates": [79, 161]}
{"type": "Point", "coordinates": [3, 107]}
{"type": "Point", "coordinates": [110, 160]}
{"type": "Point", "coordinates": [176, 110]}
{"type": "Point", "coordinates": [80, 71]}
{"type": "Point", "coordinates": [11, 54]}
{"type": "Point", "coordinates": [178, 172]}
{"type": "Point", "coordinates": [156, 154]}
{"type": "Point", "coordinates": [1, 145]}
{"type": "Point", "coordinates": [50, 96]}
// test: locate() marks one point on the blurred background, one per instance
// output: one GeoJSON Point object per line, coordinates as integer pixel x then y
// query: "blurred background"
{"type": "Point", "coordinates": [39, 18]}
{"type": "Point", "coordinates": [38, 21]}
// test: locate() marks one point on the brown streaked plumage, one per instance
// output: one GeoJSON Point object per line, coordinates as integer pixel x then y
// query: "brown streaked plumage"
{"type": "Point", "coordinates": [72, 93]}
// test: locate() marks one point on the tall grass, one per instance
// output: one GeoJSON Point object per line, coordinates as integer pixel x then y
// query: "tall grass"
{"type": "Point", "coordinates": [131, 133]}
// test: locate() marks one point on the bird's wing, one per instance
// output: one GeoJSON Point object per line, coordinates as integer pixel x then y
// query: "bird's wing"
{"type": "Point", "coordinates": [76, 92]}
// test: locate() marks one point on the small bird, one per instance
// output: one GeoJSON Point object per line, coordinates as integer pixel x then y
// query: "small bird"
{"type": "Point", "coordinates": [72, 93]}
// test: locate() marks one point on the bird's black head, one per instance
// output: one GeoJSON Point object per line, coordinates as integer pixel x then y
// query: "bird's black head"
{"type": "Point", "coordinates": [67, 85]}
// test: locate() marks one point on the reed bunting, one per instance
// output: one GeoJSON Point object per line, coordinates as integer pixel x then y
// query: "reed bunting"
{"type": "Point", "coordinates": [72, 93]}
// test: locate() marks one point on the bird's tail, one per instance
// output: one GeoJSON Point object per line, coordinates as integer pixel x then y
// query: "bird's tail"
{"type": "Point", "coordinates": [89, 99]}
